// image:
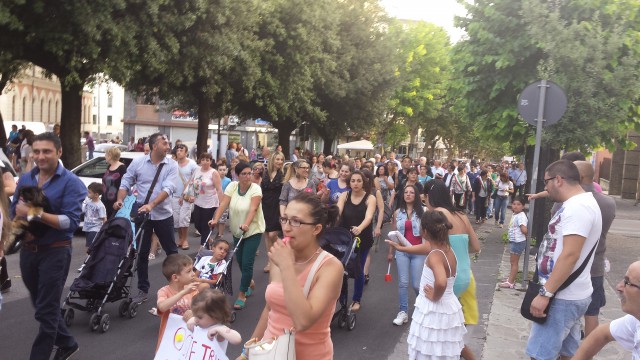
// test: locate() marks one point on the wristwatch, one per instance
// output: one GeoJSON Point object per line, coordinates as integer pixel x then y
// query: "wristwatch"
{"type": "Point", "coordinates": [543, 292]}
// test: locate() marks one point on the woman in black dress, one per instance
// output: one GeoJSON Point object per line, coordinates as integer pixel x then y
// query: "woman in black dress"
{"type": "Point", "coordinates": [271, 188]}
{"type": "Point", "coordinates": [111, 179]}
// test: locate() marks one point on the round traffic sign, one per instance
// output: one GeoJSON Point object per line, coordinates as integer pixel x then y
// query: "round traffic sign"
{"type": "Point", "coordinates": [555, 103]}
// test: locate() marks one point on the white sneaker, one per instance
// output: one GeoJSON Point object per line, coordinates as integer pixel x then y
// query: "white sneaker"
{"type": "Point", "coordinates": [80, 268]}
{"type": "Point", "coordinates": [402, 318]}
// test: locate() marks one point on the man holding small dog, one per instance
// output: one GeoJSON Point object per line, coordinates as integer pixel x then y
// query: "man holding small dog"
{"type": "Point", "coordinates": [45, 260]}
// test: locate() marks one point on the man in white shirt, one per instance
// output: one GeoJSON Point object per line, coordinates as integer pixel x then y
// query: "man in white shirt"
{"type": "Point", "coordinates": [573, 232]}
{"type": "Point", "coordinates": [438, 171]}
{"type": "Point", "coordinates": [625, 330]}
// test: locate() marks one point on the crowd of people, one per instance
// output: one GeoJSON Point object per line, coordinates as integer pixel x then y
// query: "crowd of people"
{"type": "Point", "coordinates": [427, 203]}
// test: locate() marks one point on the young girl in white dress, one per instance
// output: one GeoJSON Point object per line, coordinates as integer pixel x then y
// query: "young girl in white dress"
{"type": "Point", "coordinates": [437, 324]}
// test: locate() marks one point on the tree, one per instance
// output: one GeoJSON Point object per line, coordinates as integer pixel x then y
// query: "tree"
{"type": "Point", "coordinates": [585, 46]}
{"type": "Point", "coordinates": [75, 40]}
{"type": "Point", "coordinates": [10, 69]}
{"type": "Point", "coordinates": [215, 66]}
{"type": "Point", "coordinates": [421, 74]}
{"type": "Point", "coordinates": [353, 93]}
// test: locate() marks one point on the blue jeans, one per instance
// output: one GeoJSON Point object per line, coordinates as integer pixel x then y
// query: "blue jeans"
{"type": "Point", "coordinates": [409, 265]}
{"type": "Point", "coordinates": [489, 206]}
{"type": "Point", "coordinates": [44, 274]}
{"type": "Point", "coordinates": [358, 286]}
{"type": "Point", "coordinates": [560, 334]}
{"type": "Point", "coordinates": [500, 207]}
{"type": "Point", "coordinates": [164, 231]}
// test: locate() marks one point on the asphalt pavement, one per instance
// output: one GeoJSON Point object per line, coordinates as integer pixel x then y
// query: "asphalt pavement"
{"type": "Point", "coordinates": [374, 335]}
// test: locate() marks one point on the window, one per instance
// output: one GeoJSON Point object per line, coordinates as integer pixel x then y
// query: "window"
{"type": "Point", "coordinates": [110, 101]}
{"type": "Point", "coordinates": [13, 108]}
{"type": "Point", "coordinates": [42, 110]}
{"type": "Point", "coordinates": [95, 100]}
{"type": "Point", "coordinates": [109, 120]}
{"type": "Point", "coordinates": [24, 109]}
{"type": "Point", "coordinates": [95, 119]}
{"type": "Point", "coordinates": [50, 111]}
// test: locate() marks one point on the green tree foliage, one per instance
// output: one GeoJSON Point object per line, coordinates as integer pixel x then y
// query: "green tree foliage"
{"type": "Point", "coordinates": [354, 91]}
{"type": "Point", "coordinates": [75, 40]}
{"type": "Point", "coordinates": [585, 46]}
{"type": "Point", "coordinates": [422, 74]}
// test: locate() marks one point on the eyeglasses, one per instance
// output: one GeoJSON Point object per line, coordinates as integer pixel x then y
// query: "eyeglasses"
{"type": "Point", "coordinates": [547, 180]}
{"type": "Point", "coordinates": [303, 167]}
{"type": "Point", "coordinates": [293, 222]}
{"type": "Point", "coordinates": [244, 174]}
{"type": "Point", "coordinates": [628, 283]}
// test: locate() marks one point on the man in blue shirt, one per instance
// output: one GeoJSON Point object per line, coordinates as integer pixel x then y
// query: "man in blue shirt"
{"type": "Point", "coordinates": [519, 180]}
{"type": "Point", "coordinates": [141, 172]}
{"type": "Point", "coordinates": [45, 261]}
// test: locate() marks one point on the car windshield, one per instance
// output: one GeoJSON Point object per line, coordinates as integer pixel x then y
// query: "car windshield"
{"type": "Point", "coordinates": [97, 167]}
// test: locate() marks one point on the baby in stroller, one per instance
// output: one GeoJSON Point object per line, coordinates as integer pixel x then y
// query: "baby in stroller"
{"type": "Point", "coordinates": [210, 269]}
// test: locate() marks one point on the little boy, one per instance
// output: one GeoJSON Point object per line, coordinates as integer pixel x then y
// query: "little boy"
{"type": "Point", "coordinates": [95, 214]}
{"type": "Point", "coordinates": [517, 240]}
{"type": "Point", "coordinates": [176, 297]}
{"type": "Point", "coordinates": [210, 269]}
{"type": "Point", "coordinates": [222, 170]}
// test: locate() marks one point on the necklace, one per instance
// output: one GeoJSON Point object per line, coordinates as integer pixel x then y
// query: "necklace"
{"type": "Point", "coordinates": [243, 193]}
{"type": "Point", "coordinates": [309, 259]}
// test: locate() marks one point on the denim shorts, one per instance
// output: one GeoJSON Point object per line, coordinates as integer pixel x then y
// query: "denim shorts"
{"type": "Point", "coordinates": [598, 298]}
{"type": "Point", "coordinates": [517, 248]}
{"type": "Point", "coordinates": [560, 334]}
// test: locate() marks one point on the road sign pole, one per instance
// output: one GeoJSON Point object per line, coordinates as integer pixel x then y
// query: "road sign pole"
{"type": "Point", "coordinates": [534, 177]}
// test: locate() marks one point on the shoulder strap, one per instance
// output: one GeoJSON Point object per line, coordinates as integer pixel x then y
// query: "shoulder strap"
{"type": "Point", "coordinates": [574, 275]}
{"type": "Point", "coordinates": [153, 184]}
{"type": "Point", "coordinates": [446, 258]}
{"type": "Point", "coordinates": [312, 272]}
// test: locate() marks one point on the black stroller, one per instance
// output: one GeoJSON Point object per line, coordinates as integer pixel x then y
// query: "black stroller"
{"type": "Point", "coordinates": [338, 242]}
{"type": "Point", "coordinates": [224, 283]}
{"type": "Point", "coordinates": [104, 276]}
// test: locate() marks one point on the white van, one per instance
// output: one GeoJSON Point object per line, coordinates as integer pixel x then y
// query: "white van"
{"type": "Point", "coordinates": [35, 126]}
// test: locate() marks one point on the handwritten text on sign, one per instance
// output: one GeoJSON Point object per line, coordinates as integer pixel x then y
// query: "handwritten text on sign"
{"type": "Point", "coordinates": [179, 343]}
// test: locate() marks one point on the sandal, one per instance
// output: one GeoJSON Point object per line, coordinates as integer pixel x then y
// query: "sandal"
{"type": "Point", "coordinates": [153, 311]}
{"type": "Point", "coordinates": [185, 247]}
{"type": "Point", "coordinates": [267, 269]}
{"type": "Point", "coordinates": [506, 285]}
{"type": "Point", "coordinates": [355, 306]}
{"type": "Point", "coordinates": [239, 304]}
{"type": "Point", "coordinates": [152, 256]}
{"type": "Point", "coordinates": [249, 291]}
{"type": "Point", "coordinates": [366, 279]}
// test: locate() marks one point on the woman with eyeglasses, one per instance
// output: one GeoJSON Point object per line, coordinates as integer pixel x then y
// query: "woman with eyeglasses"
{"type": "Point", "coordinates": [244, 200]}
{"type": "Point", "coordinates": [357, 207]}
{"type": "Point", "coordinates": [296, 181]}
{"type": "Point", "coordinates": [257, 171]}
{"type": "Point", "coordinates": [271, 189]}
{"type": "Point", "coordinates": [287, 304]}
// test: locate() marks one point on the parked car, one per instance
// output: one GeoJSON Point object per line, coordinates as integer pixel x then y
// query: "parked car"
{"type": "Point", "coordinates": [100, 149]}
{"type": "Point", "coordinates": [93, 170]}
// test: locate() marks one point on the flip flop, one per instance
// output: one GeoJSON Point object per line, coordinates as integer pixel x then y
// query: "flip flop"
{"type": "Point", "coordinates": [185, 247]}
{"type": "Point", "coordinates": [239, 304]}
{"type": "Point", "coordinates": [250, 289]}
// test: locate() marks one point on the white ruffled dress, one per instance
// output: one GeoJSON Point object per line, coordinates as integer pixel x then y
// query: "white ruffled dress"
{"type": "Point", "coordinates": [437, 328]}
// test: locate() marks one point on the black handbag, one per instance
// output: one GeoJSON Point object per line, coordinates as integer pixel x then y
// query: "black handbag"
{"type": "Point", "coordinates": [139, 218]}
{"type": "Point", "coordinates": [534, 286]}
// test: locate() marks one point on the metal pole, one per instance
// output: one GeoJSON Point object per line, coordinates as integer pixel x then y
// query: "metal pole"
{"type": "Point", "coordinates": [534, 177]}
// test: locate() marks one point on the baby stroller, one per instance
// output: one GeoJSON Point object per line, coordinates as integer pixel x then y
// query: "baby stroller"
{"type": "Point", "coordinates": [224, 283]}
{"type": "Point", "coordinates": [338, 242]}
{"type": "Point", "coordinates": [103, 279]}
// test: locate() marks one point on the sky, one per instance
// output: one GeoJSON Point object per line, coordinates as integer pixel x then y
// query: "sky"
{"type": "Point", "coordinates": [439, 12]}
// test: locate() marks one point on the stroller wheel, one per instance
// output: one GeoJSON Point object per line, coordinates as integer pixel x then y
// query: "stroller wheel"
{"type": "Point", "coordinates": [233, 316]}
{"type": "Point", "coordinates": [133, 310]}
{"type": "Point", "coordinates": [123, 309]}
{"type": "Point", "coordinates": [342, 320]}
{"type": "Point", "coordinates": [104, 323]}
{"type": "Point", "coordinates": [351, 322]}
{"type": "Point", "coordinates": [68, 315]}
{"type": "Point", "coordinates": [94, 322]}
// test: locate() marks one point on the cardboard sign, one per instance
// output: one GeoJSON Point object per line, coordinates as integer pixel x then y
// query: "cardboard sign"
{"type": "Point", "coordinates": [179, 343]}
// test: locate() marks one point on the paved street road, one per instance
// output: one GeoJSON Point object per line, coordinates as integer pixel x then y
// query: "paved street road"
{"type": "Point", "coordinates": [374, 336]}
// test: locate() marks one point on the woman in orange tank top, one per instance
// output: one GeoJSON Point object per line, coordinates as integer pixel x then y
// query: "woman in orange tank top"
{"type": "Point", "coordinates": [287, 307]}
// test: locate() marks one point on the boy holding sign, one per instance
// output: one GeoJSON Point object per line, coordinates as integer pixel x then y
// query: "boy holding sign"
{"type": "Point", "coordinates": [176, 297]}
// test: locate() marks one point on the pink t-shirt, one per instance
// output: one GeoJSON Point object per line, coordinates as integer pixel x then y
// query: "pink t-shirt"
{"type": "Point", "coordinates": [408, 233]}
{"type": "Point", "coordinates": [178, 308]}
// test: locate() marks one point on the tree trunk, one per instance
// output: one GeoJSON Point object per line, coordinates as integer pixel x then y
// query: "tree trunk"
{"type": "Point", "coordinates": [71, 118]}
{"type": "Point", "coordinates": [203, 123]}
{"type": "Point", "coordinates": [328, 144]}
{"type": "Point", "coordinates": [285, 128]}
